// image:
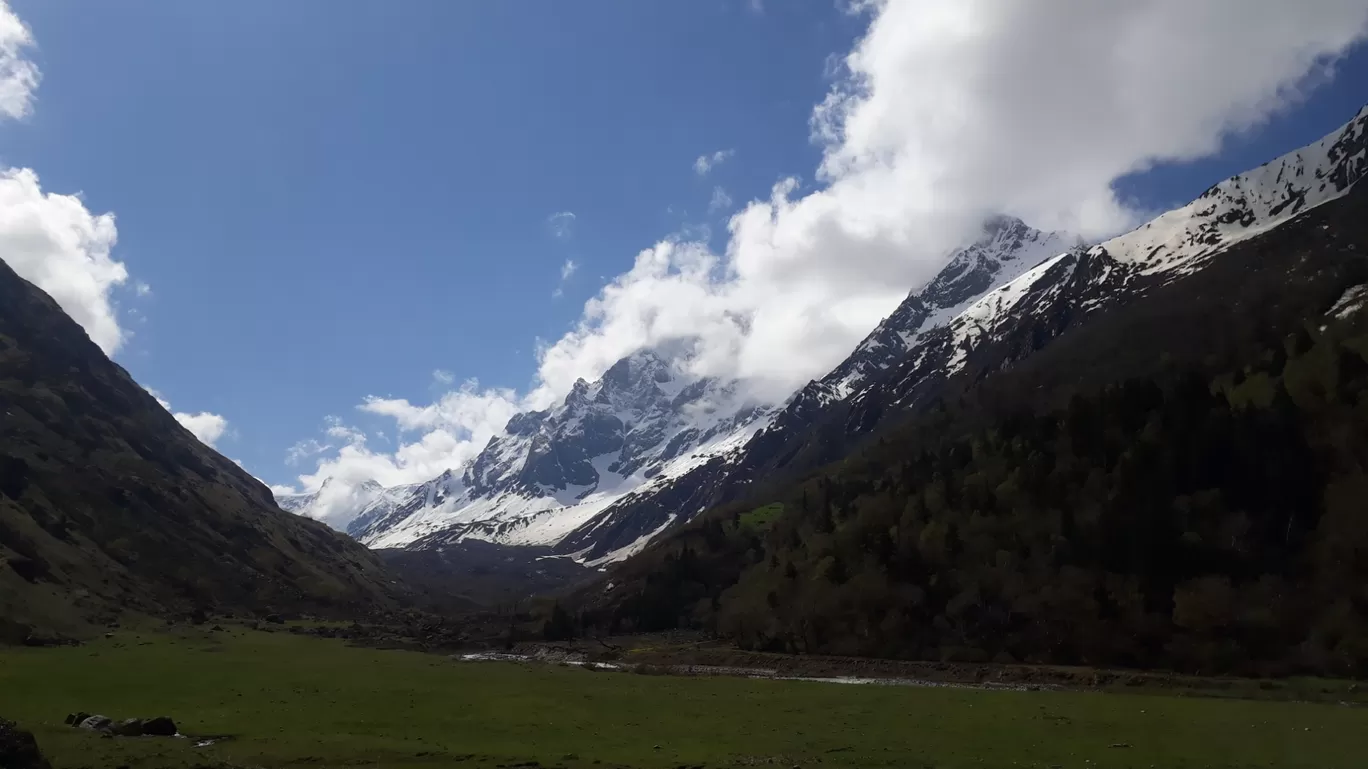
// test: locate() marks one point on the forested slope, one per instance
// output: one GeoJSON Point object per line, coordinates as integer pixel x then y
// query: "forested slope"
{"type": "Point", "coordinates": [1181, 482]}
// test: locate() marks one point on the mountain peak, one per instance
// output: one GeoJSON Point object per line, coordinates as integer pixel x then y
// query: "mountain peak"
{"type": "Point", "coordinates": [1006, 248]}
{"type": "Point", "coordinates": [643, 368]}
{"type": "Point", "coordinates": [999, 223]}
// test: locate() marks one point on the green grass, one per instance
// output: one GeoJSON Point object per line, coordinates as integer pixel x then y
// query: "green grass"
{"type": "Point", "coordinates": [296, 701]}
{"type": "Point", "coordinates": [761, 518]}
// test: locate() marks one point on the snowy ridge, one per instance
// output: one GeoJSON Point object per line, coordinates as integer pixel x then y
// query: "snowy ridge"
{"type": "Point", "coordinates": [1007, 249]}
{"type": "Point", "coordinates": [643, 423]}
{"type": "Point", "coordinates": [1181, 241]}
{"type": "Point", "coordinates": [985, 316]}
{"type": "Point", "coordinates": [1246, 205]}
{"type": "Point", "coordinates": [545, 516]}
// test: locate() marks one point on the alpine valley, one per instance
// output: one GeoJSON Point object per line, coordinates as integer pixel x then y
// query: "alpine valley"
{"type": "Point", "coordinates": [647, 447]}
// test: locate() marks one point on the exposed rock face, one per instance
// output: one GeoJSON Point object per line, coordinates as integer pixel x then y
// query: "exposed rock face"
{"type": "Point", "coordinates": [644, 421]}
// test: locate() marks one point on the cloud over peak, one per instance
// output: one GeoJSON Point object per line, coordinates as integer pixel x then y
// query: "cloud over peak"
{"type": "Point", "coordinates": [945, 111]}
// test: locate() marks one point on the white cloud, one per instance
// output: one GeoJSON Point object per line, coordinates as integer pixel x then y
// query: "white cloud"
{"type": "Point", "coordinates": [948, 110]}
{"type": "Point", "coordinates": [142, 289]}
{"type": "Point", "coordinates": [562, 224]}
{"type": "Point", "coordinates": [18, 76]}
{"type": "Point", "coordinates": [54, 242]}
{"type": "Point", "coordinates": [720, 200]}
{"type": "Point", "coordinates": [207, 427]}
{"type": "Point", "coordinates": [442, 377]}
{"type": "Point", "coordinates": [444, 434]}
{"type": "Point", "coordinates": [49, 239]}
{"type": "Point", "coordinates": [707, 162]}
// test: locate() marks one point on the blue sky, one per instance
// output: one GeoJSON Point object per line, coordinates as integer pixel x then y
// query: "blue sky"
{"type": "Point", "coordinates": [332, 200]}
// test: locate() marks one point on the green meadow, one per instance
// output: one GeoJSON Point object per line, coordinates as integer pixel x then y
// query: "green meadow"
{"type": "Point", "coordinates": [296, 701]}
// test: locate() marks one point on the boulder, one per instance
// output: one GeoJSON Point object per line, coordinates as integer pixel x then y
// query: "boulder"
{"type": "Point", "coordinates": [75, 719]}
{"type": "Point", "coordinates": [161, 726]}
{"type": "Point", "coordinates": [18, 749]}
{"type": "Point", "coordinates": [97, 723]}
{"type": "Point", "coordinates": [129, 727]}
{"type": "Point", "coordinates": [274, 619]}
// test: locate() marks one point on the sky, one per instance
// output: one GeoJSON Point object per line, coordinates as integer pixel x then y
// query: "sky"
{"type": "Point", "coordinates": [352, 239]}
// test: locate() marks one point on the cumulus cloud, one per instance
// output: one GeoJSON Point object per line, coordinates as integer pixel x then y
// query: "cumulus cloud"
{"type": "Point", "coordinates": [55, 243]}
{"type": "Point", "coordinates": [561, 224]}
{"type": "Point", "coordinates": [707, 162]}
{"type": "Point", "coordinates": [18, 76]}
{"type": "Point", "coordinates": [207, 427]}
{"type": "Point", "coordinates": [442, 377]}
{"type": "Point", "coordinates": [945, 111]}
{"type": "Point", "coordinates": [438, 437]}
{"type": "Point", "coordinates": [49, 239]}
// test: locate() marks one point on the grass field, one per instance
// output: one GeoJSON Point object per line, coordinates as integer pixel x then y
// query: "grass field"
{"type": "Point", "coordinates": [293, 701]}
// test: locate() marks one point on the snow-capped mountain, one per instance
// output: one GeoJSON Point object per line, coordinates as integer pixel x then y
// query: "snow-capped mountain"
{"type": "Point", "coordinates": [332, 503]}
{"type": "Point", "coordinates": [644, 422]}
{"type": "Point", "coordinates": [554, 473]}
{"type": "Point", "coordinates": [647, 446]}
{"type": "Point", "coordinates": [1007, 249]}
{"type": "Point", "coordinates": [996, 303]}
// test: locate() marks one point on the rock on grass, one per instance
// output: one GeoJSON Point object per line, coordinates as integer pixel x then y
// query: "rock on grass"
{"type": "Point", "coordinates": [18, 749]}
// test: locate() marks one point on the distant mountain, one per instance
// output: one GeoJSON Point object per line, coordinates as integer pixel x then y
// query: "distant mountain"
{"type": "Point", "coordinates": [1001, 300]}
{"type": "Point", "coordinates": [107, 503]}
{"type": "Point", "coordinates": [644, 421]}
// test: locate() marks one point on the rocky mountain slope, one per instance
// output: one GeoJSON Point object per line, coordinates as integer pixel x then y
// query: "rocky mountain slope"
{"type": "Point", "coordinates": [106, 502]}
{"type": "Point", "coordinates": [927, 349]}
{"type": "Point", "coordinates": [554, 476]}
{"type": "Point", "coordinates": [646, 420]}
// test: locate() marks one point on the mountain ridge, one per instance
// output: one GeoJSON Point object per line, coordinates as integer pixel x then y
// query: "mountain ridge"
{"type": "Point", "coordinates": [107, 503]}
{"type": "Point", "coordinates": [540, 482]}
{"type": "Point", "coordinates": [638, 433]}
{"type": "Point", "coordinates": [822, 421]}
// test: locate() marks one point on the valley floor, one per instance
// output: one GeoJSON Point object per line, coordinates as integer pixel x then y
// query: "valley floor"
{"type": "Point", "coordinates": [293, 701]}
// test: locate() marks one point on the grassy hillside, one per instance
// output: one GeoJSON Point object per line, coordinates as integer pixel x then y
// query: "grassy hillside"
{"type": "Point", "coordinates": [290, 701]}
{"type": "Point", "coordinates": [107, 503]}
